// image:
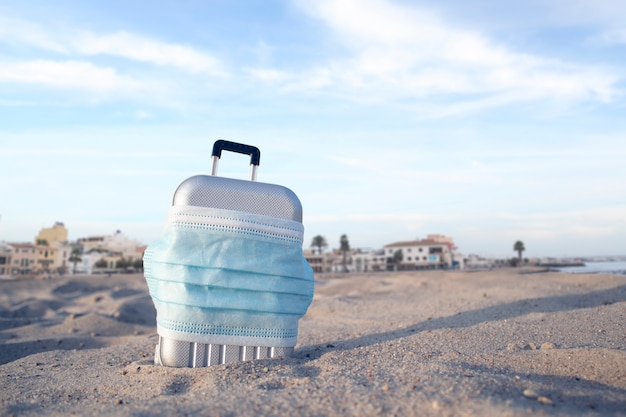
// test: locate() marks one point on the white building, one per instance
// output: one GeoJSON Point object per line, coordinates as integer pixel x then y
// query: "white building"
{"type": "Point", "coordinates": [63, 255]}
{"type": "Point", "coordinates": [436, 251]}
{"type": "Point", "coordinates": [369, 260]}
{"type": "Point", "coordinates": [476, 261]}
{"type": "Point", "coordinates": [315, 259]}
{"type": "Point", "coordinates": [87, 262]}
{"type": "Point", "coordinates": [116, 243]}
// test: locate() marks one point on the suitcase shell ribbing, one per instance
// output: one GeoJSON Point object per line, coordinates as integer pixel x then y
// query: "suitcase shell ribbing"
{"type": "Point", "coordinates": [231, 194]}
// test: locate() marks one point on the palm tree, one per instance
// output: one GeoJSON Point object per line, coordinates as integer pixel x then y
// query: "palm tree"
{"type": "Point", "coordinates": [121, 263]}
{"type": "Point", "coordinates": [344, 246]}
{"type": "Point", "coordinates": [319, 242]}
{"type": "Point", "coordinates": [138, 264]}
{"type": "Point", "coordinates": [519, 248]}
{"type": "Point", "coordinates": [75, 258]}
{"type": "Point", "coordinates": [397, 258]}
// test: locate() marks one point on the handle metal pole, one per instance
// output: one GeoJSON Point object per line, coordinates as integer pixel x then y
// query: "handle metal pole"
{"type": "Point", "coordinates": [224, 145]}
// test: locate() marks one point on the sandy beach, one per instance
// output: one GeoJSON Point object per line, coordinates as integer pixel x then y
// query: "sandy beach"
{"type": "Point", "coordinates": [488, 343]}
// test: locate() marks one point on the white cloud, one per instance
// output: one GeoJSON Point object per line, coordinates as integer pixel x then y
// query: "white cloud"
{"type": "Point", "coordinates": [617, 36]}
{"type": "Point", "coordinates": [143, 115]}
{"type": "Point", "coordinates": [120, 44]}
{"type": "Point", "coordinates": [584, 12]}
{"type": "Point", "coordinates": [140, 48]}
{"type": "Point", "coordinates": [74, 75]}
{"type": "Point", "coordinates": [76, 61]}
{"type": "Point", "coordinates": [82, 153]}
{"type": "Point", "coordinates": [25, 32]}
{"type": "Point", "coordinates": [269, 75]}
{"type": "Point", "coordinates": [401, 52]}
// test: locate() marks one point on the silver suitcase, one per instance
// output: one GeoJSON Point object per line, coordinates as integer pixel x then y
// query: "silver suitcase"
{"type": "Point", "coordinates": [231, 194]}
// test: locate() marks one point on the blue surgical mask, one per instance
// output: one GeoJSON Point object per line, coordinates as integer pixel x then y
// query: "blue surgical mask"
{"type": "Point", "coordinates": [228, 277]}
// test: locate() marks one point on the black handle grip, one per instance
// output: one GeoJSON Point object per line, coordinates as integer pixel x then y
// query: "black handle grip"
{"type": "Point", "coordinates": [225, 145]}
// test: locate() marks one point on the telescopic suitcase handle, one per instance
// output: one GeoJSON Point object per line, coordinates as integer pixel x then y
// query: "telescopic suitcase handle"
{"type": "Point", "coordinates": [225, 145]}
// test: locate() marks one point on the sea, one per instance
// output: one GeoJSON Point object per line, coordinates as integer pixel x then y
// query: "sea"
{"type": "Point", "coordinates": [612, 267]}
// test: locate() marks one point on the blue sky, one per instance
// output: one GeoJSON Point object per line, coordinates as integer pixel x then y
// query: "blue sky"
{"type": "Point", "coordinates": [489, 122]}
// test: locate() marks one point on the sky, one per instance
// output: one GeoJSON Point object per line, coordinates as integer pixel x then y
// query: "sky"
{"type": "Point", "coordinates": [488, 121]}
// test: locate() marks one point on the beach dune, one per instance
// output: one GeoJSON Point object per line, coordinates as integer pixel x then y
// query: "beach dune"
{"type": "Point", "coordinates": [487, 343]}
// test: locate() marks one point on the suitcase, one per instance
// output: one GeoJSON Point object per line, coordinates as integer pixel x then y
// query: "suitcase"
{"type": "Point", "coordinates": [231, 194]}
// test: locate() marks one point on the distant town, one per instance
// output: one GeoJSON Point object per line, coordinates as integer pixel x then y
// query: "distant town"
{"type": "Point", "coordinates": [51, 254]}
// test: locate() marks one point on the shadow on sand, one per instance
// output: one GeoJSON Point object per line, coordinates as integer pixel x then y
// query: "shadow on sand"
{"type": "Point", "coordinates": [464, 319]}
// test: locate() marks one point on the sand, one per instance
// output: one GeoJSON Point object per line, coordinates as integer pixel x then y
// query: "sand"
{"type": "Point", "coordinates": [487, 343]}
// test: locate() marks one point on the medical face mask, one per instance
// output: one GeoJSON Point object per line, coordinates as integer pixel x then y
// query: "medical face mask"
{"type": "Point", "coordinates": [228, 277]}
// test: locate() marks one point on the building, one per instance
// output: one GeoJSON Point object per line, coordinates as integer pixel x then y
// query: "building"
{"type": "Point", "coordinates": [28, 259]}
{"type": "Point", "coordinates": [46, 258]}
{"type": "Point", "coordinates": [51, 253]}
{"type": "Point", "coordinates": [51, 250]}
{"type": "Point", "coordinates": [87, 263]}
{"type": "Point", "coordinates": [64, 253]}
{"type": "Point", "coordinates": [329, 261]}
{"type": "Point", "coordinates": [334, 261]}
{"type": "Point", "coordinates": [369, 260]}
{"type": "Point", "coordinates": [5, 259]}
{"type": "Point", "coordinates": [116, 243]}
{"type": "Point", "coordinates": [108, 253]}
{"type": "Point", "coordinates": [436, 251]}
{"type": "Point", "coordinates": [316, 260]}
{"type": "Point", "coordinates": [51, 235]}
{"type": "Point", "coordinates": [23, 259]}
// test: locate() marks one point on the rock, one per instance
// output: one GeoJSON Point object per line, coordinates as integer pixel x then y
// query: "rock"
{"type": "Point", "coordinates": [545, 346]}
{"type": "Point", "coordinates": [511, 347]}
{"type": "Point", "coordinates": [544, 400]}
{"type": "Point", "coordinates": [530, 346]}
{"type": "Point", "coordinates": [530, 393]}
